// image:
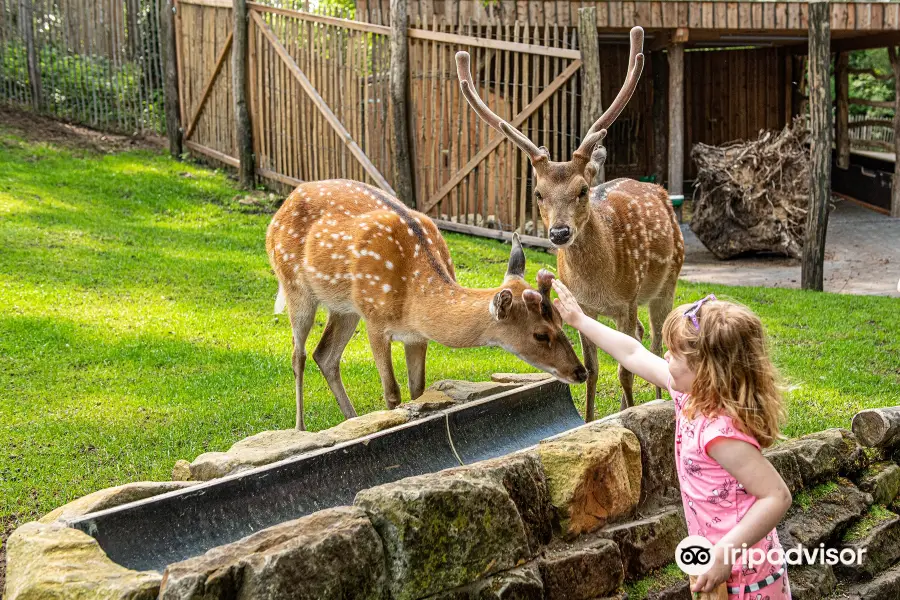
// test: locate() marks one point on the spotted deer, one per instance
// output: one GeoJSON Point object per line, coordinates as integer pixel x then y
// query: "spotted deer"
{"type": "Point", "coordinates": [619, 243]}
{"type": "Point", "coordinates": [361, 253]}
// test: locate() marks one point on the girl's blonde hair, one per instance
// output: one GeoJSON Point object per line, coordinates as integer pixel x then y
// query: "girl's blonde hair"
{"type": "Point", "coordinates": [733, 372]}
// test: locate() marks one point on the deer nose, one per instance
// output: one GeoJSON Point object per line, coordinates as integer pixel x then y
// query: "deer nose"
{"type": "Point", "coordinates": [580, 374]}
{"type": "Point", "coordinates": [560, 234]}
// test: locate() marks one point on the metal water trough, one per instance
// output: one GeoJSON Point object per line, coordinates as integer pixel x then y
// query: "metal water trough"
{"type": "Point", "coordinates": [153, 533]}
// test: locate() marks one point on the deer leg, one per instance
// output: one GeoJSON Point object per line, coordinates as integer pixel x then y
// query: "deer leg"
{"type": "Point", "coordinates": [627, 323]}
{"type": "Point", "coordinates": [337, 334]}
{"type": "Point", "coordinates": [415, 367]}
{"type": "Point", "coordinates": [659, 310]}
{"type": "Point", "coordinates": [302, 313]}
{"type": "Point", "coordinates": [380, 343]}
{"type": "Point", "coordinates": [590, 363]}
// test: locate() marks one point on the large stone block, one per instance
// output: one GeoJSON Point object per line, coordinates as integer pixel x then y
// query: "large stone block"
{"type": "Point", "coordinates": [50, 560]}
{"type": "Point", "coordinates": [582, 573]}
{"type": "Point", "coordinates": [520, 378]}
{"type": "Point", "coordinates": [784, 459]}
{"type": "Point", "coordinates": [523, 478]}
{"type": "Point", "coordinates": [654, 425]}
{"type": "Point", "coordinates": [523, 583]}
{"type": "Point", "coordinates": [825, 454]}
{"type": "Point", "coordinates": [467, 391]}
{"type": "Point", "coordinates": [886, 586]}
{"type": "Point", "coordinates": [442, 531]}
{"type": "Point", "coordinates": [811, 582]}
{"type": "Point", "coordinates": [331, 554]}
{"type": "Point", "coordinates": [112, 497]}
{"type": "Point", "coordinates": [268, 447]}
{"type": "Point", "coordinates": [648, 544]}
{"type": "Point", "coordinates": [882, 480]}
{"type": "Point", "coordinates": [594, 474]}
{"type": "Point", "coordinates": [878, 533]}
{"type": "Point", "coordinates": [821, 513]}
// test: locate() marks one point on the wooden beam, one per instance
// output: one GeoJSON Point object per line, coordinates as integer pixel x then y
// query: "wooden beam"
{"type": "Point", "coordinates": [894, 56]}
{"type": "Point", "coordinates": [499, 137]}
{"type": "Point", "coordinates": [813, 258]}
{"type": "Point", "coordinates": [223, 158]}
{"type": "Point", "coordinates": [591, 100]}
{"type": "Point", "coordinates": [207, 89]}
{"type": "Point", "coordinates": [876, 103]}
{"type": "Point", "coordinates": [399, 85]}
{"type": "Point", "coordinates": [321, 105]}
{"type": "Point", "coordinates": [842, 91]}
{"type": "Point", "coordinates": [465, 40]}
{"type": "Point", "coordinates": [877, 427]}
{"type": "Point", "coordinates": [867, 42]}
{"type": "Point", "coordinates": [659, 72]}
{"type": "Point", "coordinates": [308, 16]}
{"type": "Point", "coordinates": [239, 75]}
{"type": "Point", "coordinates": [872, 122]}
{"type": "Point", "coordinates": [527, 240]}
{"type": "Point", "coordinates": [676, 119]}
{"type": "Point", "coordinates": [169, 53]}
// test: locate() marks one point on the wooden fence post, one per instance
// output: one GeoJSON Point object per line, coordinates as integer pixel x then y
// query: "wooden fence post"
{"type": "Point", "coordinates": [659, 74]}
{"type": "Point", "coordinates": [167, 50]}
{"type": "Point", "coordinates": [243, 127]}
{"type": "Point", "coordinates": [895, 181]}
{"type": "Point", "coordinates": [591, 85]}
{"type": "Point", "coordinates": [26, 23]}
{"type": "Point", "coordinates": [399, 84]}
{"type": "Point", "coordinates": [842, 90]}
{"type": "Point", "coordinates": [676, 121]}
{"type": "Point", "coordinates": [812, 266]}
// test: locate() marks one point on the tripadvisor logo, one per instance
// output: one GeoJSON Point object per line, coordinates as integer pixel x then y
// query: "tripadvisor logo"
{"type": "Point", "coordinates": [694, 555]}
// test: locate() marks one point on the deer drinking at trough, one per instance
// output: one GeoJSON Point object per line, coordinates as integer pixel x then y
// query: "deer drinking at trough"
{"type": "Point", "coordinates": [619, 242]}
{"type": "Point", "coordinates": [361, 253]}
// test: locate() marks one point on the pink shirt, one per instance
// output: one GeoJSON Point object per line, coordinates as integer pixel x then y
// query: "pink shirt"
{"type": "Point", "coordinates": [714, 502]}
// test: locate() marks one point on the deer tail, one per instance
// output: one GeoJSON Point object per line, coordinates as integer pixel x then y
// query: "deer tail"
{"type": "Point", "coordinates": [280, 300]}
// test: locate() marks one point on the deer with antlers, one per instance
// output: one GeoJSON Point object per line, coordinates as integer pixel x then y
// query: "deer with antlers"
{"type": "Point", "coordinates": [619, 243]}
{"type": "Point", "coordinates": [363, 254]}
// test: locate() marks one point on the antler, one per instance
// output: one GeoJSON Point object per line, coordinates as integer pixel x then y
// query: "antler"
{"type": "Point", "coordinates": [468, 90]}
{"type": "Point", "coordinates": [635, 66]}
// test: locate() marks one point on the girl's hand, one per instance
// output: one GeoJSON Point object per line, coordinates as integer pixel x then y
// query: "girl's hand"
{"type": "Point", "coordinates": [566, 304]}
{"type": "Point", "coordinates": [718, 573]}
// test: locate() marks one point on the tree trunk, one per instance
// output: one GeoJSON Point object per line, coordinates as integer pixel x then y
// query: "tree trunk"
{"type": "Point", "coordinates": [167, 50]}
{"type": "Point", "coordinates": [895, 182]}
{"type": "Point", "coordinates": [878, 427]}
{"type": "Point", "coordinates": [676, 122]}
{"type": "Point", "coordinates": [239, 57]}
{"type": "Point", "coordinates": [812, 267]}
{"type": "Point", "coordinates": [403, 172]}
{"type": "Point", "coordinates": [842, 90]}
{"type": "Point", "coordinates": [660, 73]}
{"type": "Point", "coordinates": [591, 88]}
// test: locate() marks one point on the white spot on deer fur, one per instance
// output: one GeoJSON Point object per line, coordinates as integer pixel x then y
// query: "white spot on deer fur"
{"type": "Point", "coordinates": [410, 231]}
{"type": "Point", "coordinates": [403, 277]}
{"type": "Point", "coordinates": [318, 235]}
{"type": "Point", "coordinates": [376, 277]}
{"type": "Point", "coordinates": [368, 276]}
{"type": "Point", "coordinates": [389, 265]}
{"type": "Point", "coordinates": [371, 283]}
{"type": "Point", "coordinates": [386, 287]}
{"type": "Point", "coordinates": [416, 274]}
{"type": "Point", "coordinates": [329, 245]}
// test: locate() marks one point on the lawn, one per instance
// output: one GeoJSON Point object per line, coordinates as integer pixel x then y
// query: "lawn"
{"type": "Point", "coordinates": [136, 328]}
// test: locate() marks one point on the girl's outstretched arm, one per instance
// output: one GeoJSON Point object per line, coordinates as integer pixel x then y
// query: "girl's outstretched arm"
{"type": "Point", "coordinates": [749, 467]}
{"type": "Point", "coordinates": [624, 349]}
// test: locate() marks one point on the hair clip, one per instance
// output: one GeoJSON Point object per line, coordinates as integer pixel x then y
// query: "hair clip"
{"type": "Point", "coordinates": [692, 311]}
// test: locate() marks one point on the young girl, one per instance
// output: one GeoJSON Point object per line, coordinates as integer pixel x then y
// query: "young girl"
{"type": "Point", "coordinates": [727, 407]}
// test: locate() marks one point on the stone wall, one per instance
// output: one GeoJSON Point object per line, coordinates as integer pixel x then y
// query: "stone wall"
{"type": "Point", "coordinates": [591, 513]}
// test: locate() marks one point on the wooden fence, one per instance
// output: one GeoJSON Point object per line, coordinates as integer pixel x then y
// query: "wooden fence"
{"type": "Point", "coordinates": [95, 62]}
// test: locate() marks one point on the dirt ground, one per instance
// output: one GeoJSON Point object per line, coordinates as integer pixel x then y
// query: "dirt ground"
{"type": "Point", "coordinates": [862, 256]}
{"type": "Point", "coordinates": [38, 128]}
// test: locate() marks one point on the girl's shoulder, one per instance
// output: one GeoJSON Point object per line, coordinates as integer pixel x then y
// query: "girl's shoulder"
{"type": "Point", "coordinates": [721, 426]}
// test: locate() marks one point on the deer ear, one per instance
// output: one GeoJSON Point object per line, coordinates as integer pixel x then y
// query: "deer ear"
{"type": "Point", "coordinates": [502, 304]}
{"type": "Point", "coordinates": [532, 299]}
{"type": "Point", "coordinates": [516, 265]}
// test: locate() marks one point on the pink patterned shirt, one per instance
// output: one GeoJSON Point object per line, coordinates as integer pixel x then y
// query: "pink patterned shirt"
{"type": "Point", "coordinates": [714, 502]}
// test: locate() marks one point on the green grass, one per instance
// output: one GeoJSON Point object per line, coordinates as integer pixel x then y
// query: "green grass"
{"type": "Point", "coordinates": [656, 581]}
{"type": "Point", "coordinates": [136, 328]}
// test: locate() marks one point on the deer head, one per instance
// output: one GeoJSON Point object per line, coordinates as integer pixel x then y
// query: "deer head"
{"type": "Point", "coordinates": [528, 325]}
{"type": "Point", "coordinates": [562, 189]}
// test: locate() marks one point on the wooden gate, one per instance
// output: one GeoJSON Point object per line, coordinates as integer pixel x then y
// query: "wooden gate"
{"type": "Point", "coordinates": [319, 96]}
{"type": "Point", "coordinates": [465, 171]}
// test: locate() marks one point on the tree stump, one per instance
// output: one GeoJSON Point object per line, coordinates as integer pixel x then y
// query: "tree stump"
{"type": "Point", "coordinates": [752, 196]}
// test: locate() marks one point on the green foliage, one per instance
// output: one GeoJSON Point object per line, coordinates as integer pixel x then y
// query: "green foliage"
{"type": "Point", "coordinates": [876, 515]}
{"type": "Point", "coordinates": [868, 87]}
{"type": "Point", "coordinates": [87, 89]}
